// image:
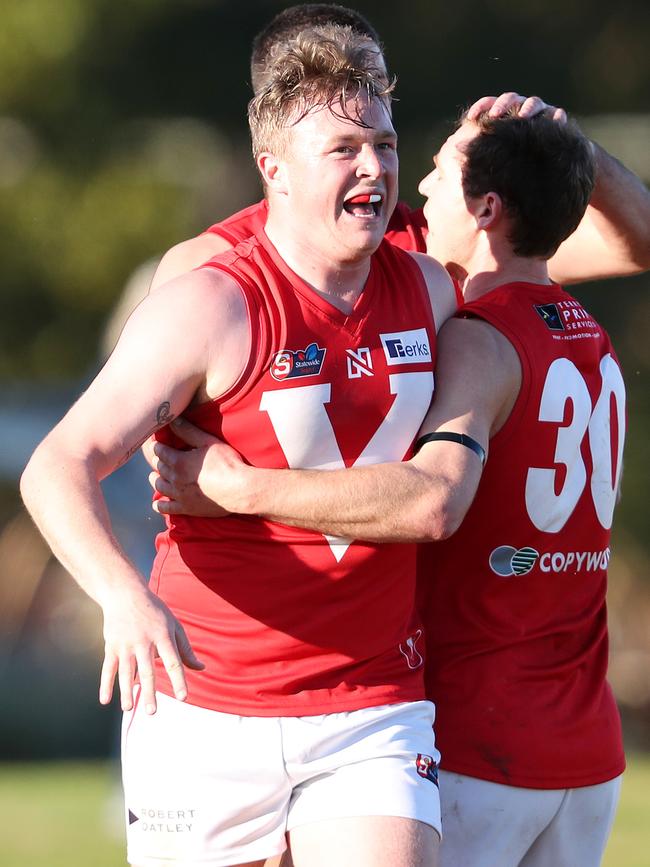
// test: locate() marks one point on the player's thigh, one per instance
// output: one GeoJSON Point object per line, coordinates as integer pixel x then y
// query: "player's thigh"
{"type": "Point", "coordinates": [378, 761]}
{"type": "Point", "coordinates": [193, 793]}
{"type": "Point", "coordinates": [365, 841]}
{"type": "Point", "coordinates": [578, 833]}
{"type": "Point", "coordinates": [486, 824]}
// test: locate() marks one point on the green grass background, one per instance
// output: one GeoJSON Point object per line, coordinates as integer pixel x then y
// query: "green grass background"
{"type": "Point", "coordinates": [70, 815]}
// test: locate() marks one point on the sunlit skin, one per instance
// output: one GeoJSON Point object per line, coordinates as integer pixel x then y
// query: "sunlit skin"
{"type": "Point", "coordinates": [451, 239]}
{"type": "Point", "coordinates": [470, 236]}
{"type": "Point", "coordinates": [328, 161]}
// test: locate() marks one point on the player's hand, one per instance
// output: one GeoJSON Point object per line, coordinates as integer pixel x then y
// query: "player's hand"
{"type": "Point", "coordinates": [148, 452]}
{"type": "Point", "coordinates": [528, 106]}
{"type": "Point", "coordinates": [203, 481]}
{"type": "Point", "coordinates": [138, 627]}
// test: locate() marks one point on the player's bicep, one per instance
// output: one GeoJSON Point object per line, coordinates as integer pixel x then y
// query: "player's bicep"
{"type": "Point", "coordinates": [143, 385]}
{"type": "Point", "coordinates": [475, 379]}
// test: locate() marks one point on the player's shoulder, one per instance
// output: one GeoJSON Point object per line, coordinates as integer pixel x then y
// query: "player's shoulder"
{"type": "Point", "coordinates": [479, 345]}
{"type": "Point", "coordinates": [199, 298]}
{"type": "Point", "coordinates": [241, 225]}
{"type": "Point", "coordinates": [188, 255]}
{"type": "Point", "coordinates": [442, 293]}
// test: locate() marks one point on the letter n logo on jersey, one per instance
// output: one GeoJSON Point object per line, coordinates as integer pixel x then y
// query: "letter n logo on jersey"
{"type": "Point", "coordinates": [359, 362]}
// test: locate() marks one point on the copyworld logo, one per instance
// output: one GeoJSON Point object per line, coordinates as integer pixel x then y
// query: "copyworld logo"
{"type": "Point", "coordinates": [506, 561]}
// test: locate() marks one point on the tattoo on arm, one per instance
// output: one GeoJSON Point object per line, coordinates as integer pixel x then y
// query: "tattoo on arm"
{"type": "Point", "coordinates": [163, 417]}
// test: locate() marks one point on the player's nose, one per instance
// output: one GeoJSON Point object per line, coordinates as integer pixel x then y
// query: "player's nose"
{"type": "Point", "coordinates": [424, 185]}
{"type": "Point", "coordinates": [370, 165]}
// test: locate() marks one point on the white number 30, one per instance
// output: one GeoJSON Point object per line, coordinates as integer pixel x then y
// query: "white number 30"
{"type": "Point", "coordinates": [550, 511]}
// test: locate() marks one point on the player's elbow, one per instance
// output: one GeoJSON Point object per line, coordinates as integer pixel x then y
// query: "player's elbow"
{"type": "Point", "coordinates": [29, 482]}
{"type": "Point", "coordinates": [440, 520]}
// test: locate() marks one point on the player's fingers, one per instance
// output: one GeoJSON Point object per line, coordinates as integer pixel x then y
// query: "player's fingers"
{"type": "Point", "coordinates": [167, 507]}
{"type": "Point", "coordinates": [187, 654]}
{"type": "Point", "coordinates": [174, 667]}
{"type": "Point", "coordinates": [147, 678]}
{"type": "Point", "coordinates": [191, 434]}
{"type": "Point", "coordinates": [160, 484]}
{"type": "Point", "coordinates": [165, 458]}
{"type": "Point", "coordinates": [559, 114]}
{"type": "Point", "coordinates": [148, 451]}
{"type": "Point", "coordinates": [532, 106]}
{"type": "Point", "coordinates": [107, 678]}
{"type": "Point", "coordinates": [485, 103]}
{"type": "Point", "coordinates": [125, 674]}
{"type": "Point", "coordinates": [505, 102]}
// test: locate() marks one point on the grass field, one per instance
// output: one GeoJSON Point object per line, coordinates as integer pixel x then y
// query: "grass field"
{"type": "Point", "coordinates": [70, 815]}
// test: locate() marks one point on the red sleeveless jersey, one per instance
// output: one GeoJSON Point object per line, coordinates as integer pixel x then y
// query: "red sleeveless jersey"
{"type": "Point", "coordinates": [406, 229]}
{"type": "Point", "coordinates": [514, 602]}
{"type": "Point", "coordinates": [288, 621]}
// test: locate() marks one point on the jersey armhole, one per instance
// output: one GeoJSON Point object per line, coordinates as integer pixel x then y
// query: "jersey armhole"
{"type": "Point", "coordinates": [422, 283]}
{"type": "Point", "coordinates": [260, 340]}
{"type": "Point", "coordinates": [218, 229]}
{"type": "Point", "coordinates": [521, 403]}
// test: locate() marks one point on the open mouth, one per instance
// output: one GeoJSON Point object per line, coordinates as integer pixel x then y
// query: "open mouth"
{"type": "Point", "coordinates": [364, 205]}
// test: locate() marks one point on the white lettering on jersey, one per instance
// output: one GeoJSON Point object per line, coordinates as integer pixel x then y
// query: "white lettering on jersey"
{"type": "Point", "coordinates": [308, 440]}
{"type": "Point", "coordinates": [605, 478]}
{"type": "Point", "coordinates": [550, 511]}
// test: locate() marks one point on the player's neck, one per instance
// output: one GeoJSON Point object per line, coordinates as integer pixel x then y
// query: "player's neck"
{"type": "Point", "coordinates": [489, 271]}
{"type": "Point", "coordinates": [340, 282]}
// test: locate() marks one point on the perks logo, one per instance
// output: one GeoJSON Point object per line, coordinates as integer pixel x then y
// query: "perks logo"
{"type": "Point", "coordinates": [551, 316]}
{"type": "Point", "coordinates": [410, 652]}
{"type": "Point", "coordinates": [427, 768]}
{"type": "Point", "coordinates": [289, 364]}
{"type": "Point", "coordinates": [406, 347]}
{"type": "Point", "coordinates": [506, 561]}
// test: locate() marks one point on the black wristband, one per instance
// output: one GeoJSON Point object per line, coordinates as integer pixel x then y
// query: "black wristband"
{"type": "Point", "coordinates": [463, 439]}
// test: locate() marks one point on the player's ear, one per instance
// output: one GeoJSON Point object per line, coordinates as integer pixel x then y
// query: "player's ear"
{"type": "Point", "coordinates": [273, 172]}
{"type": "Point", "coordinates": [488, 210]}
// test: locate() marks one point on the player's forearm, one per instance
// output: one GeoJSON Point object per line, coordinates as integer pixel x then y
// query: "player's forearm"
{"type": "Point", "coordinates": [386, 502]}
{"type": "Point", "coordinates": [613, 239]}
{"type": "Point", "coordinates": [620, 206]}
{"type": "Point", "coordinates": [63, 496]}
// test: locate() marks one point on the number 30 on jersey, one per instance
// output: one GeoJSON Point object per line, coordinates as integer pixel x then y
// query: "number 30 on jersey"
{"type": "Point", "coordinates": [549, 511]}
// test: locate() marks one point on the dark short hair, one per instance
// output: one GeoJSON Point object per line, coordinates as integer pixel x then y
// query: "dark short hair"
{"type": "Point", "coordinates": [289, 22]}
{"type": "Point", "coordinates": [542, 170]}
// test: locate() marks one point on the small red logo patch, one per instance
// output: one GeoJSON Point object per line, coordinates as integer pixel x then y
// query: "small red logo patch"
{"type": "Point", "coordinates": [427, 768]}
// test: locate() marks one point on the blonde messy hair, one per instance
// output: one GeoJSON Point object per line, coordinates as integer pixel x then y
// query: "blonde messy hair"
{"type": "Point", "coordinates": [321, 67]}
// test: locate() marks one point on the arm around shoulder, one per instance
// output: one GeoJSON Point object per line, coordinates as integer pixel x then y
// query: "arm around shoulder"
{"type": "Point", "coordinates": [423, 499]}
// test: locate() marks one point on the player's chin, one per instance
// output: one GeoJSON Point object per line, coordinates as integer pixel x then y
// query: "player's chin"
{"type": "Point", "coordinates": [368, 230]}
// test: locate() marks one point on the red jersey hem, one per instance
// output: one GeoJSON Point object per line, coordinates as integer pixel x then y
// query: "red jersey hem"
{"type": "Point", "coordinates": [570, 781]}
{"type": "Point", "coordinates": [303, 709]}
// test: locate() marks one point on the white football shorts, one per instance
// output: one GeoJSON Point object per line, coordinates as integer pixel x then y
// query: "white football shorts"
{"type": "Point", "coordinates": [491, 825]}
{"type": "Point", "coordinates": [208, 787]}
